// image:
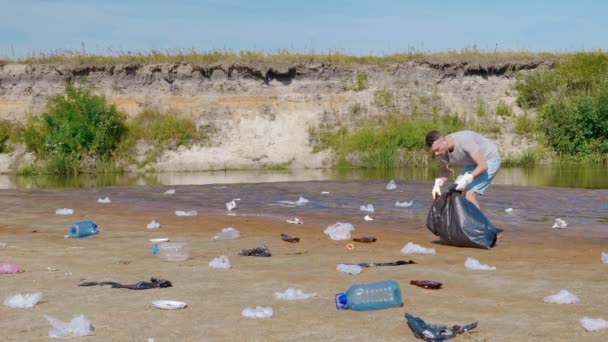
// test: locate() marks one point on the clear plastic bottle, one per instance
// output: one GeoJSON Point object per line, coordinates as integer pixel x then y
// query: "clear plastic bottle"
{"type": "Point", "coordinates": [83, 229]}
{"type": "Point", "coordinates": [374, 296]}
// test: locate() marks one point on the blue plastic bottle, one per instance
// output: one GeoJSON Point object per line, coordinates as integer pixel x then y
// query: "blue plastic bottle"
{"type": "Point", "coordinates": [374, 296]}
{"type": "Point", "coordinates": [83, 229]}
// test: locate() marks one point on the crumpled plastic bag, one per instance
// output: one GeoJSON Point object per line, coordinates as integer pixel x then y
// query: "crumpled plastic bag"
{"type": "Point", "coordinates": [560, 224]}
{"type": "Point", "coordinates": [404, 204]}
{"type": "Point", "coordinates": [153, 225]}
{"type": "Point", "coordinates": [64, 211]}
{"type": "Point", "coordinates": [302, 201]}
{"type": "Point", "coordinates": [231, 205]}
{"type": "Point", "coordinates": [6, 268]}
{"type": "Point", "coordinates": [435, 333]}
{"type": "Point", "coordinates": [221, 262]}
{"type": "Point", "coordinates": [412, 248]}
{"type": "Point", "coordinates": [369, 208]}
{"type": "Point", "coordinates": [104, 200]}
{"type": "Point", "coordinates": [563, 297]}
{"type": "Point", "coordinates": [604, 258]}
{"type": "Point", "coordinates": [186, 213]}
{"type": "Point", "coordinates": [339, 231]}
{"type": "Point", "coordinates": [23, 301]}
{"type": "Point", "coordinates": [474, 264]}
{"type": "Point", "coordinates": [295, 221]}
{"type": "Point", "coordinates": [169, 192]}
{"type": "Point", "coordinates": [77, 327]}
{"type": "Point", "coordinates": [593, 324]}
{"type": "Point", "coordinates": [294, 294]}
{"type": "Point", "coordinates": [391, 185]}
{"type": "Point", "coordinates": [258, 312]}
{"type": "Point", "coordinates": [226, 234]}
{"type": "Point", "coordinates": [350, 269]}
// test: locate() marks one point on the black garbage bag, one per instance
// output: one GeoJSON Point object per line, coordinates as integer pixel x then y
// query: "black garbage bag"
{"type": "Point", "coordinates": [458, 222]}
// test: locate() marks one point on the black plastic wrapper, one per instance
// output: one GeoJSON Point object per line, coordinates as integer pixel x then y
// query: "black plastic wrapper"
{"type": "Point", "coordinates": [458, 222]}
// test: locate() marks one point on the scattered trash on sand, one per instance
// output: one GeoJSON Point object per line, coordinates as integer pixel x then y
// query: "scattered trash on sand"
{"type": "Point", "coordinates": [287, 238]}
{"type": "Point", "coordinates": [427, 284]}
{"type": "Point", "coordinates": [104, 200]}
{"type": "Point", "coordinates": [560, 224]}
{"type": "Point", "coordinates": [365, 239]}
{"type": "Point", "coordinates": [593, 324]}
{"type": "Point", "coordinates": [563, 297]}
{"type": "Point", "coordinates": [262, 251]}
{"type": "Point", "coordinates": [391, 185]}
{"type": "Point", "coordinates": [23, 301]}
{"type": "Point", "coordinates": [186, 213]}
{"type": "Point", "coordinates": [154, 283]}
{"type": "Point", "coordinates": [404, 204]}
{"type": "Point", "coordinates": [6, 268]}
{"type": "Point", "coordinates": [77, 327]}
{"type": "Point", "coordinates": [64, 211]}
{"type": "Point", "coordinates": [231, 205]}
{"type": "Point", "coordinates": [169, 192]}
{"type": "Point", "coordinates": [295, 221]}
{"type": "Point", "coordinates": [339, 231]}
{"type": "Point", "coordinates": [473, 264]}
{"type": "Point", "coordinates": [350, 269]}
{"type": "Point", "coordinates": [412, 248]}
{"type": "Point", "coordinates": [432, 333]}
{"type": "Point", "coordinates": [227, 234]}
{"type": "Point", "coordinates": [369, 208]}
{"type": "Point", "coordinates": [258, 312]}
{"type": "Point", "coordinates": [169, 304]}
{"type": "Point", "coordinates": [153, 225]}
{"type": "Point", "coordinates": [293, 294]}
{"type": "Point", "coordinates": [221, 262]}
{"type": "Point", "coordinates": [368, 218]}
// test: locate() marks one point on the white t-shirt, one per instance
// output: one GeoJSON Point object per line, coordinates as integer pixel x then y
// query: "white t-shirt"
{"type": "Point", "coordinates": [466, 144]}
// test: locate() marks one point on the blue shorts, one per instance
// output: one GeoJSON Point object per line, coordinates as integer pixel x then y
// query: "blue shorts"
{"type": "Point", "coordinates": [481, 183]}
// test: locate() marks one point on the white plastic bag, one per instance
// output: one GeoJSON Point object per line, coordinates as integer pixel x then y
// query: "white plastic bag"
{"type": "Point", "coordinates": [231, 205]}
{"type": "Point", "coordinates": [169, 192]}
{"type": "Point", "coordinates": [185, 213]}
{"type": "Point", "coordinates": [368, 218]}
{"type": "Point", "coordinates": [412, 248]}
{"type": "Point", "coordinates": [559, 223]}
{"type": "Point", "coordinates": [391, 185]}
{"type": "Point", "coordinates": [226, 234]}
{"type": "Point", "coordinates": [474, 264]}
{"type": "Point", "coordinates": [604, 258]}
{"type": "Point", "coordinates": [350, 269]}
{"type": "Point", "coordinates": [64, 211]}
{"type": "Point", "coordinates": [293, 294]}
{"type": "Point", "coordinates": [369, 208]}
{"type": "Point", "coordinates": [404, 204]}
{"type": "Point", "coordinates": [295, 221]}
{"type": "Point", "coordinates": [153, 225]}
{"type": "Point", "coordinates": [221, 262]}
{"type": "Point", "coordinates": [563, 297]}
{"type": "Point", "coordinates": [77, 327]}
{"type": "Point", "coordinates": [258, 312]}
{"type": "Point", "coordinates": [23, 301]}
{"type": "Point", "coordinates": [593, 324]}
{"type": "Point", "coordinates": [104, 200]}
{"type": "Point", "coordinates": [302, 201]}
{"type": "Point", "coordinates": [339, 231]}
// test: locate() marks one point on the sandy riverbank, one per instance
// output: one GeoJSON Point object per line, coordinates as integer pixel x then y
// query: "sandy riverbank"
{"type": "Point", "coordinates": [532, 260]}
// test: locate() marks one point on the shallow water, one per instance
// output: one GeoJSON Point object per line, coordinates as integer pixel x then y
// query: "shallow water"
{"type": "Point", "coordinates": [572, 176]}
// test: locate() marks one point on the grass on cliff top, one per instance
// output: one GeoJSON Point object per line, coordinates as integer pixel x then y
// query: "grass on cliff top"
{"type": "Point", "coordinates": [334, 57]}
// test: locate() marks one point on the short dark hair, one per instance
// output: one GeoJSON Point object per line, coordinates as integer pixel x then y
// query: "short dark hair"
{"type": "Point", "coordinates": [431, 137]}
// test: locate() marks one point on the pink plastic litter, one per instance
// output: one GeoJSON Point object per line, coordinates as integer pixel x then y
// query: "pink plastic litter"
{"type": "Point", "coordinates": [6, 268]}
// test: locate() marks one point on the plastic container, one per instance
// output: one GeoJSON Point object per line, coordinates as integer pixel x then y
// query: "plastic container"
{"type": "Point", "coordinates": [173, 251]}
{"type": "Point", "coordinates": [83, 229]}
{"type": "Point", "coordinates": [373, 296]}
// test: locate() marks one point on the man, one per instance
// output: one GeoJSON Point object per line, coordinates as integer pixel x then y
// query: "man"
{"type": "Point", "coordinates": [479, 155]}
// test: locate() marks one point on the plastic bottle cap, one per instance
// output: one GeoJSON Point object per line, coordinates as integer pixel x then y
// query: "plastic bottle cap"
{"type": "Point", "coordinates": [341, 301]}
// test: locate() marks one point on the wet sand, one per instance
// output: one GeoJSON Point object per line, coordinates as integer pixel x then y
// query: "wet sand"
{"type": "Point", "coordinates": [532, 261]}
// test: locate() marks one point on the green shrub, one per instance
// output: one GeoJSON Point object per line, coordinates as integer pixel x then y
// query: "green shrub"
{"type": "Point", "coordinates": [525, 125]}
{"type": "Point", "coordinates": [503, 109]}
{"type": "Point", "coordinates": [6, 135]}
{"type": "Point", "coordinates": [163, 129]}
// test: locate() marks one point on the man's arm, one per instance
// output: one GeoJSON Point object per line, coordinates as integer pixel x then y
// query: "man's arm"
{"type": "Point", "coordinates": [482, 166]}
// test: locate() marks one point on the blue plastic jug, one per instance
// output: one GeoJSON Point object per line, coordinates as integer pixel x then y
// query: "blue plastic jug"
{"type": "Point", "coordinates": [83, 229]}
{"type": "Point", "coordinates": [374, 296]}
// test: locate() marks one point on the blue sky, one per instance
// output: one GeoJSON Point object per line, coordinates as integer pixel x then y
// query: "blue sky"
{"type": "Point", "coordinates": [376, 27]}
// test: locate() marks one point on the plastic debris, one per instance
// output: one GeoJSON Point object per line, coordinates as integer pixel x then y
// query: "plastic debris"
{"type": "Point", "coordinates": [412, 248]}
{"type": "Point", "coordinates": [302, 201]}
{"type": "Point", "coordinates": [604, 258]}
{"type": "Point", "coordinates": [509, 210]}
{"type": "Point", "coordinates": [231, 205]}
{"type": "Point", "coordinates": [325, 192]}
{"type": "Point", "coordinates": [153, 225]}
{"type": "Point", "coordinates": [104, 200]}
{"type": "Point", "coordinates": [295, 221]}
{"type": "Point", "coordinates": [559, 223]}
{"type": "Point", "coordinates": [6, 268]}
{"type": "Point", "coordinates": [186, 213]}
{"type": "Point", "coordinates": [77, 327]}
{"type": "Point", "coordinates": [427, 284]}
{"type": "Point", "coordinates": [49, 268]}
{"type": "Point", "coordinates": [369, 208]}
{"type": "Point", "coordinates": [350, 269]}
{"type": "Point", "coordinates": [339, 231]}
{"type": "Point", "coordinates": [287, 238]}
{"type": "Point", "coordinates": [350, 247]}
{"type": "Point", "coordinates": [392, 263]}
{"type": "Point", "coordinates": [593, 324]}
{"type": "Point", "coordinates": [404, 204]}
{"type": "Point", "coordinates": [169, 304]}
{"type": "Point", "coordinates": [258, 312]}
{"type": "Point", "coordinates": [368, 218]}
{"type": "Point", "coordinates": [169, 192]}
{"type": "Point", "coordinates": [64, 211]}
{"type": "Point", "coordinates": [294, 294]}
{"type": "Point", "coordinates": [474, 264]}
{"type": "Point", "coordinates": [262, 251]}
{"type": "Point", "coordinates": [154, 283]}
{"type": "Point", "coordinates": [563, 297]}
{"type": "Point", "coordinates": [391, 185]}
{"type": "Point", "coordinates": [226, 234]}
{"type": "Point", "coordinates": [435, 333]}
{"type": "Point", "coordinates": [23, 301]}
{"type": "Point", "coordinates": [365, 239]}
{"type": "Point", "coordinates": [221, 262]}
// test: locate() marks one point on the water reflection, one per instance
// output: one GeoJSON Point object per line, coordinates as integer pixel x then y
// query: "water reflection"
{"type": "Point", "coordinates": [559, 176]}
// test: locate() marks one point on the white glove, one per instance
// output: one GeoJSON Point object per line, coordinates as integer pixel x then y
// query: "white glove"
{"type": "Point", "coordinates": [437, 188]}
{"type": "Point", "coordinates": [462, 183]}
